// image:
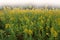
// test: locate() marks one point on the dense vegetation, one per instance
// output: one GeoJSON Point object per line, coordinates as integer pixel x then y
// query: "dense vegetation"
{"type": "Point", "coordinates": [34, 24]}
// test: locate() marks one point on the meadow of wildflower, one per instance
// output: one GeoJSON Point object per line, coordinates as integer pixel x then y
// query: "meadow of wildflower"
{"type": "Point", "coordinates": [26, 24]}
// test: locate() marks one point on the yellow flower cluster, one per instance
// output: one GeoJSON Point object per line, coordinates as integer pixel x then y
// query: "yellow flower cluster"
{"type": "Point", "coordinates": [55, 33]}
{"type": "Point", "coordinates": [7, 25]}
{"type": "Point", "coordinates": [58, 21]}
{"type": "Point", "coordinates": [12, 18]}
{"type": "Point", "coordinates": [28, 31]}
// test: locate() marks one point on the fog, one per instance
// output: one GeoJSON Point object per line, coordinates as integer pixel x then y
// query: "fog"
{"type": "Point", "coordinates": [29, 2]}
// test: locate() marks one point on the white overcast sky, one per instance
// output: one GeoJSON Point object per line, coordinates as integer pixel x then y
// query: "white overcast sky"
{"type": "Point", "coordinates": [24, 2]}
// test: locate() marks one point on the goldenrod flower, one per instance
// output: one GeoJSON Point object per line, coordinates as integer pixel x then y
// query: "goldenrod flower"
{"type": "Point", "coordinates": [50, 12]}
{"type": "Point", "coordinates": [12, 18]}
{"type": "Point", "coordinates": [52, 29]}
{"type": "Point", "coordinates": [26, 30]}
{"type": "Point", "coordinates": [7, 25]}
{"type": "Point", "coordinates": [30, 32]}
{"type": "Point", "coordinates": [58, 21]}
{"type": "Point", "coordinates": [26, 18]}
{"type": "Point", "coordinates": [54, 32]}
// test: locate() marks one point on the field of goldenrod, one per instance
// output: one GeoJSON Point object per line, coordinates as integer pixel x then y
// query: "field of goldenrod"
{"type": "Point", "coordinates": [34, 24]}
